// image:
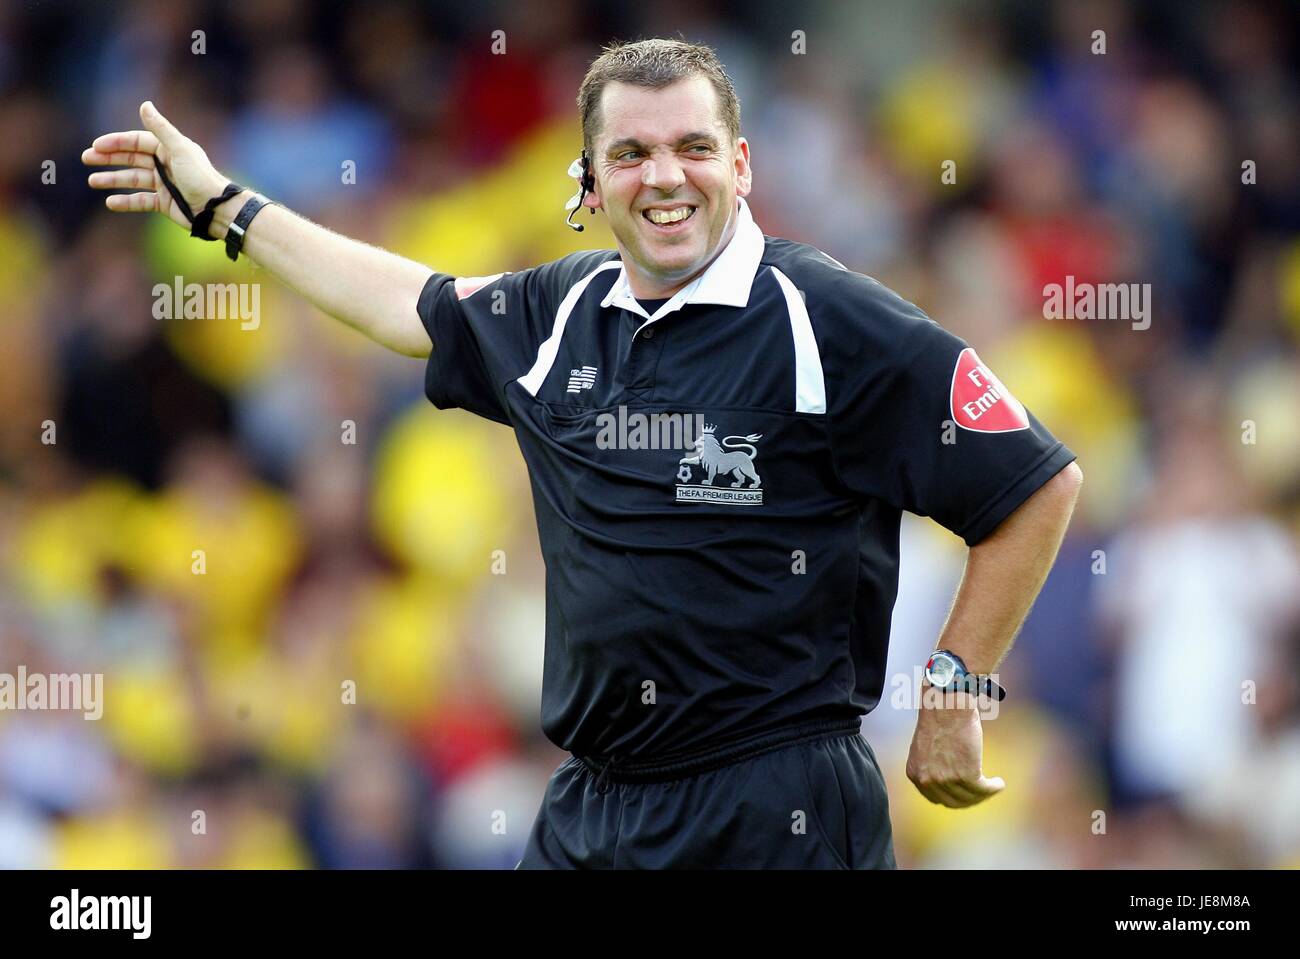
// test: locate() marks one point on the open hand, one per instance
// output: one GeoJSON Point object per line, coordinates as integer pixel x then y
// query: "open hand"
{"type": "Point", "coordinates": [140, 151]}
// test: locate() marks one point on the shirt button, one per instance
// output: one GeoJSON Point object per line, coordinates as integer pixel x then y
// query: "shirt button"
{"type": "Point", "coordinates": [648, 334]}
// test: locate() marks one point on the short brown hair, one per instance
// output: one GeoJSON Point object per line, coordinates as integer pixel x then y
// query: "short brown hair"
{"type": "Point", "coordinates": [654, 64]}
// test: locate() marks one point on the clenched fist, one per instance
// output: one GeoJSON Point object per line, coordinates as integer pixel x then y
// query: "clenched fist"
{"type": "Point", "coordinates": [945, 762]}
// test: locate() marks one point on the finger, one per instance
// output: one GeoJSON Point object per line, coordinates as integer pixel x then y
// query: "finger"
{"type": "Point", "coordinates": [940, 795]}
{"type": "Point", "coordinates": [132, 202]}
{"type": "Point", "coordinates": [963, 794]}
{"type": "Point", "coordinates": [141, 141]}
{"type": "Point", "coordinates": [121, 179]}
{"type": "Point", "coordinates": [94, 157]}
{"type": "Point", "coordinates": [971, 793]}
{"type": "Point", "coordinates": [158, 124]}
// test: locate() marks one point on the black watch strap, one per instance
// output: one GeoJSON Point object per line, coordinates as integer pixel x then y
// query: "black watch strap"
{"type": "Point", "coordinates": [235, 232]}
{"type": "Point", "coordinates": [991, 689]}
{"type": "Point", "coordinates": [980, 684]}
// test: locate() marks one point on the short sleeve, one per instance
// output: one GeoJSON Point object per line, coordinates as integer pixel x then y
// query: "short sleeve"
{"type": "Point", "coordinates": [485, 332]}
{"type": "Point", "coordinates": [919, 421]}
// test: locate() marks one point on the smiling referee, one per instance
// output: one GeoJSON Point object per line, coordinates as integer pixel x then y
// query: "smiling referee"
{"type": "Point", "coordinates": [722, 429]}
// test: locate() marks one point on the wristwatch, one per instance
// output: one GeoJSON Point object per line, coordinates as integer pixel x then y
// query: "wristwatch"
{"type": "Point", "coordinates": [235, 232]}
{"type": "Point", "coordinates": [947, 673]}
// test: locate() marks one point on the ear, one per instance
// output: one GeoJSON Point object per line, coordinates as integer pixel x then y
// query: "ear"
{"type": "Point", "coordinates": [744, 174]}
{"type": "Point", "coordinates": [592, 198]}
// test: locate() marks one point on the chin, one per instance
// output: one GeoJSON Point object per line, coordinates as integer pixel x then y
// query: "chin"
{"type": "Point", "coordinates": [671, 271]}
{"type": "Point", "coordinates": [676, 260]}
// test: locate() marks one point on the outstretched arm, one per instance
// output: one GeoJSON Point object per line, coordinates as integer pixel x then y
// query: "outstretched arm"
{"type": "Point", "coordinates": [1004, 573]}
{"type": "Point", "coordinates": [367, 288]}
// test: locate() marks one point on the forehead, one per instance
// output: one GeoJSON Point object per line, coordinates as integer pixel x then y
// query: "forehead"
{"type": "Point", "coordinates": [651, 116]}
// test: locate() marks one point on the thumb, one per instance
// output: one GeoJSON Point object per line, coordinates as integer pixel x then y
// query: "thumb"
{"type": "Point", "coordinates": [159, 125]}
{"type": "Point", "coordinates": [992, 785]}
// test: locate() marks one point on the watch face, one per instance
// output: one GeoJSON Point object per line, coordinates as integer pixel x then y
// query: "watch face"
{"type": "Point", "coordinates": [939, 671]}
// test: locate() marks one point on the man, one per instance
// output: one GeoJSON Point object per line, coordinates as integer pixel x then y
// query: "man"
{"type": "Point", "coordinates": [718, 605]}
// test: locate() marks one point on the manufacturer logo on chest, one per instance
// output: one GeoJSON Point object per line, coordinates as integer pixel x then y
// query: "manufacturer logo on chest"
{"type": "Point", "coordinates": [583, 379]}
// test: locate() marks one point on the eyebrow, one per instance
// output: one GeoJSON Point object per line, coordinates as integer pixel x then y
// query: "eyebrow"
{"type": "Point", "coordinates": [634, 143]}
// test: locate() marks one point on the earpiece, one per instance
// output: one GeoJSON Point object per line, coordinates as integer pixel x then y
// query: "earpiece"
{"type": "Point", "coordinates": [588, 185]}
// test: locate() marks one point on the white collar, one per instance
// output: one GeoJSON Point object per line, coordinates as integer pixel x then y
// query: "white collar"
{"type": "Point", "coordinates": [726, 282]}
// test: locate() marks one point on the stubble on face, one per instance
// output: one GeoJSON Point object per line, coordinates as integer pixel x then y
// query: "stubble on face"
{"type": "Point", "coordinates": [667, 154]}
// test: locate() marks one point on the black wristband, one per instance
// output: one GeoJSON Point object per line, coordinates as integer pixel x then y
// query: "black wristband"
{"type": "Point", "coordinates": [235, 232]}
{"type": "Point", "coordinates": [203, 219]}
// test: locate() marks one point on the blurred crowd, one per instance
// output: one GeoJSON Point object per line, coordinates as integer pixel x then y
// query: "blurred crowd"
{"type": "Point", "coordinates": [317, 602]}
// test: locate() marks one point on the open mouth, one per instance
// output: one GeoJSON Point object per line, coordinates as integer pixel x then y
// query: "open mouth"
{"type": "Point", "coordinates": [669, 220]}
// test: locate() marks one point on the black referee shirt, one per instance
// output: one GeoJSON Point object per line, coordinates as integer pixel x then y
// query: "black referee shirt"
{"type": "Point", "coordinates": [701, 595]}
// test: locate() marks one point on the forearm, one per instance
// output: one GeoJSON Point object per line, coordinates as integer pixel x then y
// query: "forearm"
{"type": "Point", "coordinates": [1005, 572]}
{"type": "Point", "coordinates": [372, 290]}
{"type": "Point", "coordinates": [367, 288]}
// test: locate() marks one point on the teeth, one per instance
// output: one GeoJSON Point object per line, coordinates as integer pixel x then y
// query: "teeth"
{"type": "Point", "coordinates": [673, 216]}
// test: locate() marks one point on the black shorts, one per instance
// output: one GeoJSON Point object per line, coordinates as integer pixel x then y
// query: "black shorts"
{"type": "Point", "coordinates": [815, 803]}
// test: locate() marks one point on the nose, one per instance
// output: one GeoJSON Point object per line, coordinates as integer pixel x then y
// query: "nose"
{"type": "Point", "coordinates": [663, 173]}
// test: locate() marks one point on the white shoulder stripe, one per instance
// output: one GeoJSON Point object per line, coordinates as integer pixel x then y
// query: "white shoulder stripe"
{"type": "Point", "coordinates": [809, 381]}
{"type": "Point", "coordinates": [546, 353]}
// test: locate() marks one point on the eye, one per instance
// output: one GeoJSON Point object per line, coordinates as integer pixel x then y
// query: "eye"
{"type": "Point", "coordinates": [627, 154]}
{"type": "Point", "coordinates": [701, 146]}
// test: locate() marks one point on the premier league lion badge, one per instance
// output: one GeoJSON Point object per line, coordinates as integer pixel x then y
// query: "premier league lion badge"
{"type": "Point", "coordinates": [733, 456]}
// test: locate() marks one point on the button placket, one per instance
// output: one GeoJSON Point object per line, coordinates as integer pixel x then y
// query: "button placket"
{"type": "Point", "coordinates": [643, 358]}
